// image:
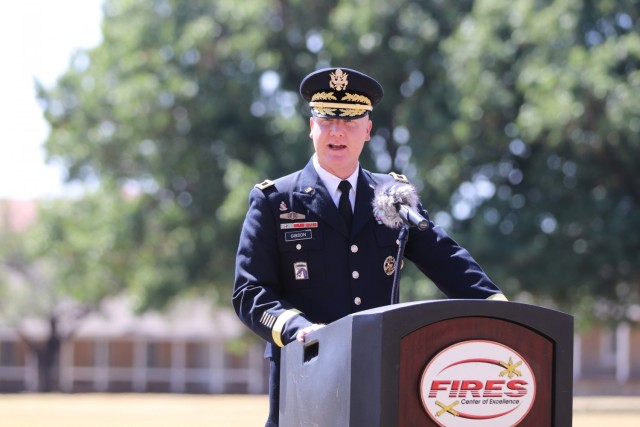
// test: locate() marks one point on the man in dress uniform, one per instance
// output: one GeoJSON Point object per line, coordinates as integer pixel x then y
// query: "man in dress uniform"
{"type": "Point", "coordinates": [311, 249]}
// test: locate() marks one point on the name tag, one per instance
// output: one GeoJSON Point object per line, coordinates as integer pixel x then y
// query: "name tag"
{"type": "Point", "coordinates": [292, 236]}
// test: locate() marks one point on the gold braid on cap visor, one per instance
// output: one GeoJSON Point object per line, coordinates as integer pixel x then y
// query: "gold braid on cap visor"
{"type": "Point", "coordinates": [361, 104]}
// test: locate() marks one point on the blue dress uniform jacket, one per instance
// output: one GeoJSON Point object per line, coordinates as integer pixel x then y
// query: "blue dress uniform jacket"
{"type": "Point", "coordinates": [297, 263]}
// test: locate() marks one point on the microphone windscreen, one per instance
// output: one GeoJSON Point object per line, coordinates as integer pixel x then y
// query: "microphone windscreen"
{"type": "Point", "coordinates": [387, 198]}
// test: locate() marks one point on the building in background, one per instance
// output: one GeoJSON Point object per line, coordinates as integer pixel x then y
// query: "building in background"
{"type": "Point", "coordinates": [190, 349]}
{"type": "Point", "coordinates": [193, 347]}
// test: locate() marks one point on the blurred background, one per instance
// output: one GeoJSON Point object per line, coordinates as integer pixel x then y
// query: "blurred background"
{"type": "Point", "coordinates": [133, 131]}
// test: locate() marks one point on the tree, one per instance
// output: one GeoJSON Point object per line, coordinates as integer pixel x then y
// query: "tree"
{"type": "Point", "coordinates": [163, 105]}
{"type": "Point", "coordinates": [551, 189]}
{"type": "Point", "coordinates": [54, 273]}
{"type": "Point", "coordinates": [519, 109]}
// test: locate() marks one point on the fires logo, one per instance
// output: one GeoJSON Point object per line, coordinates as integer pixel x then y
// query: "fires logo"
{"type": "Point", "coordinates": [477, 383]}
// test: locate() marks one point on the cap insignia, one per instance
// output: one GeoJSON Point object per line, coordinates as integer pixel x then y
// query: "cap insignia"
{"type": "Point", "coordinates": [356, 98]}
{"type": "Point", "coordinates": [351, 112]}
{"type": "Point", "coordinates": [338, 80]}
{"type": "Point", "coordinates": [361, 104]}
{"type": "Point", "coordinates": [323, 96]}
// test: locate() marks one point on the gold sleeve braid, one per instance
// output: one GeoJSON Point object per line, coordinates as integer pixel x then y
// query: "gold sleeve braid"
{"type": "Point", "coordinates": [276, 332]}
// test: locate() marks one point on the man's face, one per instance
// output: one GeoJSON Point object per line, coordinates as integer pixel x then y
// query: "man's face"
{"type": "Point", "coordinates": [338, 143]}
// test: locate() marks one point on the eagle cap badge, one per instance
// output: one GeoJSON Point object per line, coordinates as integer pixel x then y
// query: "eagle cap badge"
{"type": "Point", "coordinates": [338, 80]}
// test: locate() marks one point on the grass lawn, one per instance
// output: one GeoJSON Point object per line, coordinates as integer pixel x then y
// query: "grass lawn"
{"type": "Point", "coordinates": [165, 410]}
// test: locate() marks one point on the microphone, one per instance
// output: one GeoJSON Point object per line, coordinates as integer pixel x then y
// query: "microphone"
{"type": "Point", "coordinates": [396, 204]}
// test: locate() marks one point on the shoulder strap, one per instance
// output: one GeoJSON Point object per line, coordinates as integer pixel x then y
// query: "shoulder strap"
{"type": "Point", "coordinates": [400, 178]}
{"type": "Point", "coordinates": [265, 184]}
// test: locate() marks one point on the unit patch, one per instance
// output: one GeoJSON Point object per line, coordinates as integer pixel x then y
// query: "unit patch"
{"type": "Point", "coordinates": [301, 271]}
{"type": "Point", "coordinates": [292, 236]}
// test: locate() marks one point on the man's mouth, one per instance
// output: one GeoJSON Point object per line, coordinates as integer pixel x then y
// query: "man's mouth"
{"type": "Point", "coordinates": [337, 146]}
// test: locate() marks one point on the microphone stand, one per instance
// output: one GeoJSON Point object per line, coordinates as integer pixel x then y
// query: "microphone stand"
{"type": "Point", "coordinates": [402, 242]}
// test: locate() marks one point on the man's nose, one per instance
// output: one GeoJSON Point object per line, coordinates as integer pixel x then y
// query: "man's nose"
{"type": "Point", "coordinates": [336, 127]}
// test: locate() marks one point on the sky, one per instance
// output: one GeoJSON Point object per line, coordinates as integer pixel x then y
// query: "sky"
{"type": "Point", "coordinates": [37, 40]}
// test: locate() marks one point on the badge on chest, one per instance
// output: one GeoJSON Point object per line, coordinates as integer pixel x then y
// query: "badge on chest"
{"type": "Point", "coordinates": [301, 272]}
{"type": "Point", "coordinates": [293, 236]}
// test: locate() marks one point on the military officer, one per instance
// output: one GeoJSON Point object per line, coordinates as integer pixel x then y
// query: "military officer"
{"type": "Point", "coordinates": [311, 250]}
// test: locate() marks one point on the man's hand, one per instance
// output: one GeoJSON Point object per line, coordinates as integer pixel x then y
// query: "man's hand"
{"type": "Point", "coordinates": [306, 331]}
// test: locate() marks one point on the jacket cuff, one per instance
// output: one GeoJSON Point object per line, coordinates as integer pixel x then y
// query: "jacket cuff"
{"type": "Point", "coordinates": [498, 297]}
{"type": "Point", "coordinates": [278, 326]}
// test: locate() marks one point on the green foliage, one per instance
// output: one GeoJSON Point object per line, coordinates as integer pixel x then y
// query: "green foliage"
{"type": "Point", "coordinates": [515, 119]}
{"type": "Point", "coordinates": [76, 254]}
{"type": "Point", "coordinates": [545, 88]}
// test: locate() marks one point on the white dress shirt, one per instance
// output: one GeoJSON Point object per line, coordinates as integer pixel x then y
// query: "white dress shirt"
{"type": "Point", "coordinates": [331, 182]}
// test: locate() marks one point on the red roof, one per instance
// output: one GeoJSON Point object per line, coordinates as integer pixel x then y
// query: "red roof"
{"type": "Point", "coordinates": [17, 215]}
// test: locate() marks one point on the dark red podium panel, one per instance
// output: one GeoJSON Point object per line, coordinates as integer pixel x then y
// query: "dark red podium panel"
{"type": "Point", "coordinates": [420, 346]}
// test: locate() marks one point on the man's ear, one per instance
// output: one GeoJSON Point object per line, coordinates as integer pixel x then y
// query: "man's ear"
{"type": "Point", "coordinates": [311, 123]}
{"type": "Point", "coordinates": [368, 130]}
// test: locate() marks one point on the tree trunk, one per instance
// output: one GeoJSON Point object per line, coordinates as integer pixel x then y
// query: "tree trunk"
{"type": "Point", "coordinates": [48, 357]}
{"type": "Point", "coordinates": [49, 360]}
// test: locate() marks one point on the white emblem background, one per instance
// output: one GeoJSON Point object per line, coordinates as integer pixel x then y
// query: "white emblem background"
{"type": "Point", "coordinates": [446, 366]}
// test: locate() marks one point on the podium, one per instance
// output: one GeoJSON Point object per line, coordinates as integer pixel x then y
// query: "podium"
{"type": "Point", "coordinates": [452, 363]}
